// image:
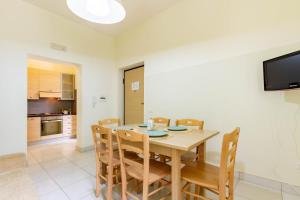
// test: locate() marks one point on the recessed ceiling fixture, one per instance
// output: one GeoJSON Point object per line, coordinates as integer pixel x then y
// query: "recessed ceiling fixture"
{"type": "Point", "coordinates": [98, 11]}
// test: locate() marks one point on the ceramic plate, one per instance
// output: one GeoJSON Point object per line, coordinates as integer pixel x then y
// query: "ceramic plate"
{"type": "Point", "coordinates": [143, 125]}
{"type": "Point", "coordinates": [156, 133]}
{"type": "Point", "coordinates": [177, 128]}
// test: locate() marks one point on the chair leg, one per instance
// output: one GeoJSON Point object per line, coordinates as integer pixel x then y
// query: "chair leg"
{"type": "Point", "coordinates": [98, 179]}
{"type": "Point", "coordinates": [199, 190]}
{"type": "Point", "coordinates": [104, 169]}
{"type": "Point", "coordinates": [117, 175]}
{"type": "Point", "coordinates": [187, 196]}
{"type": "Point", "coordinates": [124, 187]}
{"type": "Point", "coordinates": [109, 182]}
{"type": "Point", "coordinates": [145, 190]}
{"type": "Point", "coordinates": [138, 186]}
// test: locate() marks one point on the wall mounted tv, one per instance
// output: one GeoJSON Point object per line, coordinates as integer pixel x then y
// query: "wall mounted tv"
{"type": "Point", "coordinates": [282, 72]}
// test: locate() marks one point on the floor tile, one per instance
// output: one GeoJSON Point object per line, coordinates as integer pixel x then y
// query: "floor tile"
{"type": "Point", "coordinates": [36, 173]}
{"type": "Point", "coordinates": [254, 192]}
{"type": "Point", "coordinates": [236, 197]}
{"type": "Point", "coordinates": [55, 195]}
{"type": "Point", "coordinates": [61, 169]}
{"type": "Point", "coordinates": [71, 177]}
{"type": "Point", "coordinates": [80, 189]}
{"type": "Point", "coordinates": [12, 163]}
{"type": "Point", "coordinates": [90, 169]}
{"type": "Point", "coordinates": [46, 187]}
{"type": "Point", "coordinates": [56, 171]}
{"type": "Point", "coordinates": [92, 196]}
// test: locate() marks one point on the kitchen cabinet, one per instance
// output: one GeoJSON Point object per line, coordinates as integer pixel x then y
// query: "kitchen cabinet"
{"type": "Point", "coordinates": [50, 81]}
{"type": "Point", "coordinates": [68, 85]}
{"type": "Point", "coordinates": [33, 129]}
{"type": "Point", "coordinates": [70, 125]}
{"type": "Point", "coordinates": [67, 124]}
{"type": "Point", "coordinates": [74, 126]}
{"type": "Point", "coordinates": [33, 87]}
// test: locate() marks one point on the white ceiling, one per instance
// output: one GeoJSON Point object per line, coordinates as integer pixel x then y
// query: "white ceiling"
{"type": "Point", "coordinates": [137, 11]}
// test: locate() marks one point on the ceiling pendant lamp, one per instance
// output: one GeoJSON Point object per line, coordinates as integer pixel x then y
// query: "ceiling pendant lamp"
{"type": "Point", "coordinates": [98, 11]}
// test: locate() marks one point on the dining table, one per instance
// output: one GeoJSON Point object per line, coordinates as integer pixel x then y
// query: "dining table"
{"type": "Point", "coordinates": [174, 144]}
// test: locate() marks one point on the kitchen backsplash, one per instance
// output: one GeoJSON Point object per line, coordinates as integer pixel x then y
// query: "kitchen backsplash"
{"type": "Point", "coordinates": [50, 106]}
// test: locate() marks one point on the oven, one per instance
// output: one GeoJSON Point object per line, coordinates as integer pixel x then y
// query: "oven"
{"type": "Point", "coordinates": [51, 125]}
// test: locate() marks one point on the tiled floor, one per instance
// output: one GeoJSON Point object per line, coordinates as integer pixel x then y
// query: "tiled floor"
{"type": "Point", "coordinates": [56, 171]}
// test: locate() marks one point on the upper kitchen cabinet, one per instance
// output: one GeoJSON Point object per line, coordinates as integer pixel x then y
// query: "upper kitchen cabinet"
{"type": "Point", "coordinates": [50, 84]}
{"type": "Point", "coordinates": [68, 86]}
{"type": "Point", "coordinates": [33, 84]}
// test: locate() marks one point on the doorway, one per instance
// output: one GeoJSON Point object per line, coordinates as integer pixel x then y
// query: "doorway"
{"type": "Point", "coordinates": [51, 101]}
{"type": "Point", "coordinates": [134, 95]}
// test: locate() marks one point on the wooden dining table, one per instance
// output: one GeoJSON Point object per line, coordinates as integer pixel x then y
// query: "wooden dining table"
{"type": "Point", "coordinates": [174, 145]}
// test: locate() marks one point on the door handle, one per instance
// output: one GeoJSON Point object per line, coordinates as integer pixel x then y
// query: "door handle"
{"type": "Point", "coordinates": [142, 103]}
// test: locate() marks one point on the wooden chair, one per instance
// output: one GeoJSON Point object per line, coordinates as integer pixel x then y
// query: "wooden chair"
{"type": "Point", "coordinates": [148, 171]}
{"type": "Point", "coordinates": [164, 122]}
{"type": "Point", "coordinates": [219, 180]}
{"type": "Point", "coordinates": [161, 121]}
{"type": "Point", "coordinates": [107, 161]}
{"type": "Point", "coordinates": [112, 121]}
{"type": "Point", "coordinates": [191, 156]}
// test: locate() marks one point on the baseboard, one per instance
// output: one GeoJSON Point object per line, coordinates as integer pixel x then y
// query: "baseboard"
{"type": "Point", "coordinates": [84, 149]}
{"type": "Point", "coordinates": [14, 155]}
{"type": "Point", "coordinates": [264, 182]}
{"type": "Point", "coordinates": [268, 183]}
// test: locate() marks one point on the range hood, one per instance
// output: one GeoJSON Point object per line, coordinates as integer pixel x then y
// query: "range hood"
{"type": "Point", "coordinates": [50, 94]}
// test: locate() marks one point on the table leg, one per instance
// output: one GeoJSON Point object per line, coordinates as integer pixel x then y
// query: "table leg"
{"type": "Point", "coordinates": [201, 157]}
{"type": "Point", "coordinates": [176, 175]}
{"type": "Point", "coordinates": [201, 151]}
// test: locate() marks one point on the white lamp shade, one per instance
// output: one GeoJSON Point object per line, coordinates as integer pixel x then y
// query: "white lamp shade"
{"type": "Point", "coordinates": [98, 11]}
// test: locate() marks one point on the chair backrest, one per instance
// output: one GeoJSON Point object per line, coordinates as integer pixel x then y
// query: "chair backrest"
{"type": "Point", "coordinates": [112, 121]}
{"type": "Point", "coordinates": [134, 142]}
{"type": "Point", "coordinates": [103, 142]}
{"type": "Point", "coordinates": [161, 121]}
{"type": "Point", "coordinates": [229, 147]}
{"type": "Point", "coordinates": [190, 122]}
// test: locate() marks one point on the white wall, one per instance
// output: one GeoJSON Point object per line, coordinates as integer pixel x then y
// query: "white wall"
{"type": "Point", "coordinates": [203, 59]}
{"type": "Point", "coordinates": [26, 29]}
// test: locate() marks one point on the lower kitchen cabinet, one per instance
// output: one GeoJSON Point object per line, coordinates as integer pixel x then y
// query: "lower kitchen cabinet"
{"type": "Point", "coordinates": [33, 129]}
{"type": "Point", "coordinates": [69, 125]}
{"type": "Point", "coordinates": [74, 125]}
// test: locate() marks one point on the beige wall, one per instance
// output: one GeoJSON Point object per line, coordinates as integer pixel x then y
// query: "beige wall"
{"type": "Point", "coordinates": [51, 65]}
{"type": "Point", "coordinates": [203, 59]}
{"type": "Point", "coordinates": [28, 30]}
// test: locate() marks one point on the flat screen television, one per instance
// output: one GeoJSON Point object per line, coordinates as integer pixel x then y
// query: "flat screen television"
{"type": "Point", "coordinates": [282, 72]}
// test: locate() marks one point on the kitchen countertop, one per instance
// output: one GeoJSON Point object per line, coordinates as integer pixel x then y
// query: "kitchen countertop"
{"type": "Point", "coordinates": [47, 115]}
